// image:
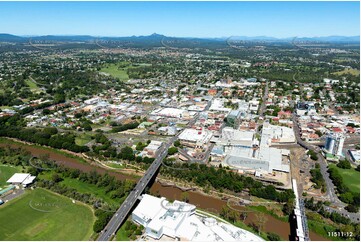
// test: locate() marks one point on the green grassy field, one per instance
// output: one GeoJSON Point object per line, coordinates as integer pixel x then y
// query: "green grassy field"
{"type": "Point", "coordinates": [83, 139]}
{"type": "Point", "coordinates": [351, 178]}
{"type": "Point", "coordinates": [32, 85]}
{"type": "Point", "coordinates": [320, 226]}
{"type": "Point", "coordinates": [43, 215]}
{"type": "Point", "coordinates": [83, 187]}
{"type": "Point", "coordinates": [351, 71]}
{"type": "Point", "coordinates": [114, 165]}
{"type": "Point", "coordinates": [6, 172]}
{"type": "Point", "coordinates": [113, 70]}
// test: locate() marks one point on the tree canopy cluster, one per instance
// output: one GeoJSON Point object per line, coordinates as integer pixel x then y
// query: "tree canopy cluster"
{"type": "Point", "coordinates": [45, 136]}
{"type": "Point", "coordinates": [345, 195]}
{"type": "Point", "coordinates": [220, 178]}
{"type": "Point", "coordinates": [318, 179]}
{"type": "Point", "coordinates": [124, 127]}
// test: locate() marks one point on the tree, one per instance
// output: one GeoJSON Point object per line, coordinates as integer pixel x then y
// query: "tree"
{"type": "Point", "coordinates": [288, 207]}
{"type": "Point", "coordinates": [260, 222]}
{"type": "Point", "coordinates": [319, 133]}
{"type": "Point", "coordinates": [244, 216]}
{"type": "Point", "coordinates": [172, 150]}
{"type": "Point", "coordinates": [344, 164]}
{"type": "Point", "coordinates": [177, 143]}
{"type": "Point", "coordinates": [56, 178]}
{"type": "Point", "coordinates": [352, 208]}
{"type": "Point", "coordinates": [273, 237]}
{"type": "Point", "coordinates": [185, 197]}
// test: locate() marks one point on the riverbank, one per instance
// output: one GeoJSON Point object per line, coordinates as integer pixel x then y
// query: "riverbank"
{"type": "Point", "coordinates": [205, 202]}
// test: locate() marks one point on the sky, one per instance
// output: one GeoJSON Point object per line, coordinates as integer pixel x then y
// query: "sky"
{"type": "Point", "coordinates": [181, 19]}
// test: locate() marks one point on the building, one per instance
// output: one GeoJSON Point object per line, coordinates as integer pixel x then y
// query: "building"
{"type": "Point", "coordinates": [334, 144]}
{"type": "Point", "coordinates": [21, 179]}
{"type": "Point", "coordinates": [195, 137]}
{"type": "Point", "coordinates": [92, 101]}
{"type": "Point", "coordinates": [305, 108]}
{"type": "Point", "coordinates": [180, 221]}
{"type": "Point", "coordinates": [355, 155]}
{"type": "Point", "coordinates": [212, 92]}
{"type": "Point", "coordinates": [262, 159]}
{"type": "Point", "coordinates": [276, 134]}
{"type": "Point", "coordinates": [253, 106]}
{"type": "Point", "coordinates": [233, 137]}
{"type": "Point", "coordinates": [151, 149]}
{"type": "Point", "coordinates": [171, 112]}
{"type": "Point", "coordinates": [233, 119]}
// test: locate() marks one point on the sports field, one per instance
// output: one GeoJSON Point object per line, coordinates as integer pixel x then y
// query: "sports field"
{"type": "Point", "coordinates": [351, 178]}
{"type": "Point", "coordinates": [42, 215]}
{"type": "Point", "coordinates": [114, 71]}
{"type": "Point", "coordinates": [6, 172]}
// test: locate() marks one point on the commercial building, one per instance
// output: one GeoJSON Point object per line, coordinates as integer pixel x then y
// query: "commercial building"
{"type": "Point", "coordinates": [233, 137]}
{"type": "Point", "coordinates": [92, 101]}
{"type": "Point", "coordinates": [195, 137]}
{"type": "Point", "coordinates": [171, 112]}
{"type": "Point", "coordinates": [218, 105]}
{"type": "Point", "coordinates": [151, 149]}
{"type": "Point", "coordinates": [334, 144]}
{"type": "Point", "coordinates": [305, 108]}
{"type": "Point", "coordinates": [276, 134]}
{"type": "Point", "coordinates": [180, 221]}
{"type": "Point", "coordinates": [253, 106]}
{"type": "Point", "coordinates": [261, 159]}
{"type": "Point", "coordinates": [233, 119]}
{"type": "Point", "coordinates": [245, 153]}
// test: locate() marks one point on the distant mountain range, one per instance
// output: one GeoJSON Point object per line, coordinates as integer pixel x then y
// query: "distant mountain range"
{"type": "Point", "coordinates": [158, 37]}
{"type": "Point", "coordinates": [318, 39]}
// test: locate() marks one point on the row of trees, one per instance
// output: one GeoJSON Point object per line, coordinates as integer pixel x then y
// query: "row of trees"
{"type": "Point", "coordinates": [44, 136]}
{"type": "Point", "coordinates": [319, 207]}
{"type": "Point", "coordinates": [318, 179]}
{"type": "Point", "coordinates": [345, 195]}
{"type": "Point", "coordinates": [270, 192]}
{"type": "Point", "coordinates": [258, 224]}
{"type": "Point", "coordinates": [344, 164]}
{"type": "Point", "coordinates": [124, 127]}
{"type": "Point", "coordinates": [221, 178]}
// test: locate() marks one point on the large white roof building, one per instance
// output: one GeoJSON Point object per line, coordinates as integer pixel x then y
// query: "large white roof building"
{"type": "Point", "coordinates": [21, 178]}
{"type": "Point", "coordinates": [196, 136]}
{"type": "Point", "coordinates": [179, 220]}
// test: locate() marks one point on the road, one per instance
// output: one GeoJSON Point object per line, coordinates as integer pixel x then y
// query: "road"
{"type": "Point", "coordinates": [122, 213]}
{"type": "Point", "coordinates": [264, 99]}
{"type": "Point", "coordinates": [323, 164]}
{"type": "Point", "coordinates": [336, 204]}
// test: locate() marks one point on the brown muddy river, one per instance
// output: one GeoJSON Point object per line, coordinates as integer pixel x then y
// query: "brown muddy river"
{"type": "Point", "coordinates": [207, 203]}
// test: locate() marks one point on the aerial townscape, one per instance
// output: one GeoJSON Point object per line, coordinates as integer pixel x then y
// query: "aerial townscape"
{"type": "Point", "coordinates": [153, 137]}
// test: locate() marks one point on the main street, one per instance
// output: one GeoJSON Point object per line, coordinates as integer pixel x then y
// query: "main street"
{"type": "Point", "coordinates": [336, 204]}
